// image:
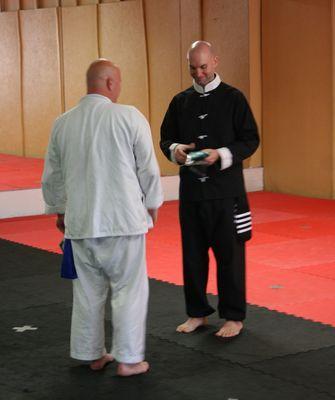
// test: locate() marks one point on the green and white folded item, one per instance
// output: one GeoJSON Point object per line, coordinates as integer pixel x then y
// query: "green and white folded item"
{"type": "Point", "coordinates": [195, 156]}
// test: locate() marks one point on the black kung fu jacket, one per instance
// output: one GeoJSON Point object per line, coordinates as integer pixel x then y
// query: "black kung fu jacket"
{"type": "Point", "coordinates": [217, 118]}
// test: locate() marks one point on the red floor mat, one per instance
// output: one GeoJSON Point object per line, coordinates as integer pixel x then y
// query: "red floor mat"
{"type": "Point", "coordinates": [20, 172]}
{"type": "Point", "coordinates": [295, 252]}
{"type": "Point", "coordinates": [299, 228]}
{"type": "Point", "coordinates": [323, 270]}
{"type": "Point", "coordinates": [291, 258]}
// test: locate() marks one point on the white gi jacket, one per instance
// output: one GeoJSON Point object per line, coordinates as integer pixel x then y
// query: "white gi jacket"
{"type": "Point", "coordinates": [101, 170]}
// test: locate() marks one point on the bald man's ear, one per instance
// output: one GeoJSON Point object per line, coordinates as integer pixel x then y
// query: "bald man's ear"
{"type": "Point", "coordinates": [109, 83]}
{"type": "Point", "coordinates": [216, 60]}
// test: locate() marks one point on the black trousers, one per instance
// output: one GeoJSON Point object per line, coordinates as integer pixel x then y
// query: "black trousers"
{"type": "Point", "coordinates": [204, 225]}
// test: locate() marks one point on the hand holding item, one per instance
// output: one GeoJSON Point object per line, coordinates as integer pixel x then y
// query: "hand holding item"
{"type": "Point", "coordinates": [181, 150]}
{"type": "Point", "coordinates": [153, 214]}
{"type": "Point", "coordinates": [196, 157]}
{"type": "Point", "coordinates": [60, 223]}
{"type": "Point", "coordinates": [213, 156]}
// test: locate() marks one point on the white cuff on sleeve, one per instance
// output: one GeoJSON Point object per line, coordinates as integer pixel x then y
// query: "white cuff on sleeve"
{"type": "Point", "coordinates": [226, 157]}
{"type": "Point", "coordinates": [172, 148]}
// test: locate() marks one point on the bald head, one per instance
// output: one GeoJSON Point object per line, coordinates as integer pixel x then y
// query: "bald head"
{"type": "Point", "coordinates": [200, 46]}
{"type": "Point", "coordinates": [202, 62]}
{"type": "Point", "coordinates": [103, 77]}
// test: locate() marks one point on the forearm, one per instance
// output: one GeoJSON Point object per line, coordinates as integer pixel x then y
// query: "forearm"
{"type": "Point", "coordinates": [153, 212]}
{"type": "Point", "coordinates": [148, 173]}
{"type": "Point", "coordinates": [54, 198]}
{"type": "Point", "coordinates": [165, 146]}
{"type": "Point", "coordinates": [246, 132]}
{"type": "Point", "coordinates": [53, 187]}
{"type": "Point", "coordinates": [241, 150]}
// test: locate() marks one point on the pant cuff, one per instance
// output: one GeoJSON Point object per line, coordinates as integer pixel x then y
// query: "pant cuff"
{"type": "Point", "coordinates": [128, 359]}
{"type": "Point", "coordinates": [87, 357]}
{"type": "Point", "coordinates": [231, 317]}
{"type": "Point", "coordinates": [200, 314]}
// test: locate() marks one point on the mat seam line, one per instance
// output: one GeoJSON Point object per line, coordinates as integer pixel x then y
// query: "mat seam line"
{"type": "Point", "coordinates": [174, 284]}
{"type": "Point", "coordinates": [245, 366]}
{"type": "Point", "coordinates": [294, 354]}
{"type": "Point", "coordinates": [180, 285]}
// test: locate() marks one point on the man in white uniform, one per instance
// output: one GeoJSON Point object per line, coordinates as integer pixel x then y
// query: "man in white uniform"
{"type": "Point", "coordinates": [102, 180]}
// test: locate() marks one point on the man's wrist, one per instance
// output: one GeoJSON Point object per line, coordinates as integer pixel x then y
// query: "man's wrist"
{"type": "Point", "coordinates": [172, 149]}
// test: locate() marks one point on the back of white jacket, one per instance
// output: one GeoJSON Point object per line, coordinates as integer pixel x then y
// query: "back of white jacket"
{"type": "Point", "coordinates": [101, 170]}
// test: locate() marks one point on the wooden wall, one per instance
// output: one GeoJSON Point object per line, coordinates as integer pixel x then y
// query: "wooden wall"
{"type": "Point", "coordinates": [41, 86]}
{"type": "Point", "coordinates": [47, 46]}
{"type": "Point", "coordinates": [11, 138]}
{"type": "Point", "coordinates": [283, 61]}
{"type": "Point", "coordinates": [298, 97]}
{"type": "Point", "coordinates": [167, 24]}
{"type": "Point", "coordinates": [79, 48]}
{"type": "Point", "coordinates": [125, 44]}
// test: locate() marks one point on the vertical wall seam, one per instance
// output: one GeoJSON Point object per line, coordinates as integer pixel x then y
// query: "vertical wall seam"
{"type": "Point", "coordinates": [21, 84]}
{"type": "Point", "coordinates": [255, 71]}
{"type": "Point", "coordinates": [180, 46]}
{"type": "Point", "coordinates": [98, 29]}
{"type": "Point", "coordinates": [61, 57]}
{"type": "Point", "coordinates": [261, 78]}
{"type": "Point", "coordinates": [147, 57]}
{"type": "Point", "coordinates": [202, 5]}
{"type": "Point", "coordinates": [247, 161]}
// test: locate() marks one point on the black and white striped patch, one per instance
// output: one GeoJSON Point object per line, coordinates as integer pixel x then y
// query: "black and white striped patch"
{"type": "Point", "coordinates": [243, 222]}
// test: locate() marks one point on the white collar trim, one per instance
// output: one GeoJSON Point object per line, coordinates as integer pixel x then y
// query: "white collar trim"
{"type": "Point", "coordinates": [209, 87]}
{"type": "Point", "coordinates": [97, 96]}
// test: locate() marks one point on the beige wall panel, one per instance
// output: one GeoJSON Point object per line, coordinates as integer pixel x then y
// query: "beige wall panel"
{"type": "Point", "coordinates": [86, 2]}
{"type": "Point", "coordinates": [28, 4]}
{"type": "Point", "coordinates": [122, 40]}
{"type": "Point", "coordinates": [163, 43]}
{"type": "Point", "coordinates": [48, 3]}
{"type": "Point", "coordinates": [108, 1]}
{"type": "Point", "coordinates": [41, 77]}
{"type": "Point", "coordinates": [191, 30]}
{"type": "Point", "coordinates": [255, 96]}
{"type": "Point", "coordinates": [80, 48]}
{"type": "Point", "coordinates": [68, 3]}
{"type": "Point", "coordinates": [11, 136]}
{"type": "Point", "coordinates": [225, 25]}
{"type": "Point", "coordinates": [11, 5]}
{"type": "Point", "coordinates": [297, 96]}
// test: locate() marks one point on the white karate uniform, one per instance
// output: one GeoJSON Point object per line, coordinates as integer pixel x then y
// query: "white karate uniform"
{"type": "Point", "coordinates": [122, 260]}
{"type": "Point", "coordinates": [101, 171]}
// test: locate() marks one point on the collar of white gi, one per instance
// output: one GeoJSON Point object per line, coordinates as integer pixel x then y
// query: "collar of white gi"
{"type": "Point", "coordinates": [96, 96]}
{"type": "Point", "coordinates": [210, 86]}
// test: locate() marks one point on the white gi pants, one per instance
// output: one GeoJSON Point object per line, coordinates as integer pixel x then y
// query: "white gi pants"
{"type": "Point", "coordinates": [117, 263]}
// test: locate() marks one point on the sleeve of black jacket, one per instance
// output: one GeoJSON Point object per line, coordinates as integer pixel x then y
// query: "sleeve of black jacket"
{"type": "Point", "coordinates": [246, 132]}
{"type": "Point", "coordinates": [169, 129]}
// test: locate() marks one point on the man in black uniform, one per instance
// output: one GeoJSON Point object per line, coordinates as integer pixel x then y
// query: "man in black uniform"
{"type": "Point", "coordinates": [215, 118]}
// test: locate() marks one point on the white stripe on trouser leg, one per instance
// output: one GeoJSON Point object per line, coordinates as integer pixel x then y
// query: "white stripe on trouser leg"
{"type": "Point", "coordinates": [120, 263]}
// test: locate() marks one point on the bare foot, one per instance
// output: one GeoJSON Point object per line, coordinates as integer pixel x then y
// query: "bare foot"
{"type": "Point", "coordinates": [96, 365]}
{"type": "Point", "coordinates": [230, 329]}
{"type": "Point", "coordinates": [132, 369]}
{"type": "Point", "coordinates": [191, 325]}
